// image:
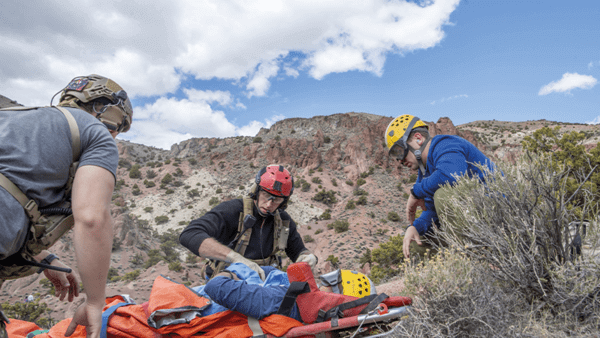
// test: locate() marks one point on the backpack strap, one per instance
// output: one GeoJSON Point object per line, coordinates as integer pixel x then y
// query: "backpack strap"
{"type": "Point", "coordinates": [75, 146]}
{"type": "Point", "coordinates": [30, 206]}
{"type": "Point", "coordinates": [281, 234]}
{"type": "Point", "coordinates": [244, 231]}
{"type": "Point", "coordinates": [295, 289]}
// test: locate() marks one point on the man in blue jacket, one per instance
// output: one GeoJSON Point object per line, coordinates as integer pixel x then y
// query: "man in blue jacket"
{"type": "Point", "coordinates": [439, 161]}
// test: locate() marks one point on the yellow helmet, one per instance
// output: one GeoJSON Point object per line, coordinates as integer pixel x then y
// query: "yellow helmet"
{"type": "Point", "coordinates": [117, 112]}
{"type": "Point", "coordinates": [356, 284]}
{"type": "Point", "coordinates": [397, 134]}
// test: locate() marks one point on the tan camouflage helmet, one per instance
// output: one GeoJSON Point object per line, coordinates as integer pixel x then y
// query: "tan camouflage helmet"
{"type": "Point", "coordinates": [116, 112]}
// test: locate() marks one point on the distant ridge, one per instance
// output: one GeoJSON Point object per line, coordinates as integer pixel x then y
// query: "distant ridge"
{"type": "Point", "coordinates": [5, 102]}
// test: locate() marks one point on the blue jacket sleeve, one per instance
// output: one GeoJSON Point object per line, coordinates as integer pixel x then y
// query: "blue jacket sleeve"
{"type": "Point", "coordinates": [423, 223]}
{"type": "Point", "coordinates": [447, 159]}
{"type": "Point", "coordinates": [249, 299]}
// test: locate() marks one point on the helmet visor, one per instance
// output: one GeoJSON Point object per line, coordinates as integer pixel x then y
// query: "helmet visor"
{"type": "Point", "coordinates": [398, 152]}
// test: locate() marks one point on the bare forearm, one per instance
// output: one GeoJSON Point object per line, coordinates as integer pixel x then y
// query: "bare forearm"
{"type": "Point", "coordinates": [93, 243]}
{"type": "Point", "coordinates": [210, 248]}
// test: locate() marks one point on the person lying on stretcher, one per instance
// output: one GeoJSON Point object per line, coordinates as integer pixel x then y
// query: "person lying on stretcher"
{"type": "Point", "coordinates": [240, 289]}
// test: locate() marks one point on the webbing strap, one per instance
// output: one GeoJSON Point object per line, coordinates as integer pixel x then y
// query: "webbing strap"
{"type": "Point", "coordinates": [255, 327]}
{"type": "Point", "coordinates": [106, 316]}
{"type": "Point", "coordinates": [33, 334]}
{"type": "Point", "coordinates": [337, 311]}
{"type": "Point", "coordinates": [374, 303]}
{"type": "Point", "coordinates": [295, 289]}
{"type": "Point", "coordinates": [30, 206]}
{"type": "Point", "coordinates": [75, 138]}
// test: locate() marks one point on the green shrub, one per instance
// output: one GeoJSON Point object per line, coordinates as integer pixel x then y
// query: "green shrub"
{"type": "Point", "coordinates": [193, 193]}
{"type": "Point", "coordinates": [257, 139]}
{"type": "Point", "coordinates": [308, 239]}
{"type": "Point", "coordinates": [123, 163]}
{"type": "Point", "coordinates": [219, 190]}
{"type": "Point", "coordinates": [362, 200]}
{"type": "Point", "coordinates": [214, 201]}
{"type": "Point", "coordinates": [360, 192]}
{"type": "Point", "coordinates": [334, 182]}
{"type": "Point", "coordinates": [334, 260]}
{"type": "Point", "coordinates": [325, 197]}
{"type": "Point", "coordinates": [167, 179]}
{"type": "Point", "coordinates": [148, 209]}
{"type": "Point", "coordinates": [365, 258]}
{"type": "Point", "coordinates": [350, 205]}
{"type": "Point", "coordinates": [192, 161]}
{"type": "Point", "coordinates": [316, 180]}
{"type": "Point", "coordinates": [350, 183]}
{"type": "Point", "coordinates": [131, 276]}
{"type": "Point", "coordinates": [169, 191]}
{"type": "Point", "coordinates": [340, 225]}
{"type": "Point", "coordinates": [393, 216]}
{"type": "Point", "coordinates": [149, 184]}
{"type": "Point", "coordinates": [136, 259]}
{"type": "Point", "coordinates": [135, 172]}
{"type": "Point", "coordinates": [318, 231]}
{"type": "Point", "coordinates": [161, 219]}
{"type": "Point", "coordinates": [305, 186]}
{"type": "Point", "coordinates": [326, 214]}
{"type": "Point", "coordinates": [175, 266]}
{"type": "Point", "coordinates": [360, 181]}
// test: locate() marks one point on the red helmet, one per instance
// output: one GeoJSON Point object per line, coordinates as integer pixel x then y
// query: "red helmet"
{"type": "Point", "coordinates": [275, 180]}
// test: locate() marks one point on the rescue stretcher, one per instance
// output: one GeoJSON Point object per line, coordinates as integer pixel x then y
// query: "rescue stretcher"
{"type": "Point", "coordinates": [173, 311]}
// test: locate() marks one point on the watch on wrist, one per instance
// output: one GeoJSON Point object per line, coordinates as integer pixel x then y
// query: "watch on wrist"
{"type": "Point", "coordinates": [47, 260]}
{"type": "Point", "coordinates": [412, 192]}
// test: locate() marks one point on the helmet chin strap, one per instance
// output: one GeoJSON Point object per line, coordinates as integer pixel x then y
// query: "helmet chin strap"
{"type": "Point", "coordinates": [418, 154]}
{"type": "Point", "coordinates": [260, 212]}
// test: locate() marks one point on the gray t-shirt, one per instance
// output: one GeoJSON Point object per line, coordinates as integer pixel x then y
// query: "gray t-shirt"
{"type": "Point", "coordinates": [35, 154]}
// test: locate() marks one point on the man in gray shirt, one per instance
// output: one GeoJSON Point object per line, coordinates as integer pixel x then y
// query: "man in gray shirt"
{"type": "Point", "coordinates": [38, 148]}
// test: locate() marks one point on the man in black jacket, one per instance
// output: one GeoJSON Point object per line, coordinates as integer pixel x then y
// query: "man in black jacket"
{"type": "Point", "coordinates": [254, 231]}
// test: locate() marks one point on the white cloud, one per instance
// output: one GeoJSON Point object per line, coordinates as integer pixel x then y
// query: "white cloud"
{"type": "Point", "coordinates": [149, 47]}
{"type": "Point", "coordinates": [170, 120]}
{"type": "Point", "coordinates": [591, 65]}
{"type": "Point", "coordinates": [259, 83]}
{"type": "Point", "coordinates": [253, 127]}
{"type": "Point", "coordinates": [568, 82]}
{"type": "Point", "coordinates": [444, 99]}
{"type": "Point", "coordinates": [595, 121]}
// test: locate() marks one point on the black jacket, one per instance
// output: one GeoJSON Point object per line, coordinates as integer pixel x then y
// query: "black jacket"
{"type": "Point", "coordinates": [221, 223]}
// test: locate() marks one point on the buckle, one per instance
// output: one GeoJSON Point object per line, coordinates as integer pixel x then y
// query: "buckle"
{"type": "Point", "coordinates": [32, 210]}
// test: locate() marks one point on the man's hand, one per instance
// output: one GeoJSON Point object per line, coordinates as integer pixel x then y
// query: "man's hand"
{"type": "Point", "coordinates": [411, 208]}
{"type": "Point", "coordinates": [90, 316]}
{"type": "Point", "coordinates": [234, 257]}
{"type": "Point", "coordinates": [308, 258]}
{"type": "Point", "coordinates": [64, 283]}
{"type": "Point", "coordinates": [410, 235]}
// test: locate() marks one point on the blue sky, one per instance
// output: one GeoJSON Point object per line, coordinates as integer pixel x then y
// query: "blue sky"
{"type": "Point", "coordinates": [226, 68]}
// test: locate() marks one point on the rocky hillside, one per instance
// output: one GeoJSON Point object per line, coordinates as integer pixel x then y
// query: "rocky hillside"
{"type": "Point", "coordinates": [340, 157]}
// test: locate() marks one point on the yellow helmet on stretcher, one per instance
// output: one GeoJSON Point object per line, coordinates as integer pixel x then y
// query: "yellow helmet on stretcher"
{"type": "Point", "coordinates": [356, 284]}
